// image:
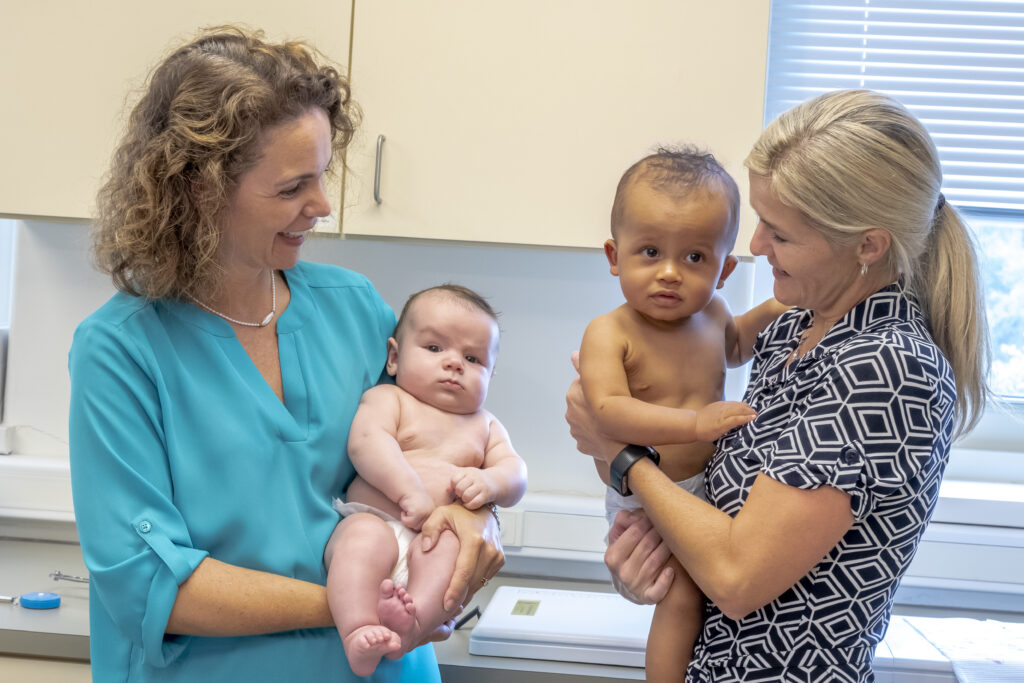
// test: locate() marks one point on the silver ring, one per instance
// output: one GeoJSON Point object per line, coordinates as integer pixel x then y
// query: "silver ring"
{"type": "Point", "coordinates": [485, 581]}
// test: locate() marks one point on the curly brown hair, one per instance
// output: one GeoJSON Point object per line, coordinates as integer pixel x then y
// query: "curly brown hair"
{"type": "Point", "coordinates": [196, 130]}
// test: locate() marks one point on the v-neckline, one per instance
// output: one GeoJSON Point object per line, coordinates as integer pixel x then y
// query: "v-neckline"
{"type": "Point", "coordinates": [292, 413]}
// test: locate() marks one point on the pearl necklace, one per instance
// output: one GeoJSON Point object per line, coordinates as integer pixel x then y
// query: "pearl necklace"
{"type": "Point", "coordinates": [264, 323]}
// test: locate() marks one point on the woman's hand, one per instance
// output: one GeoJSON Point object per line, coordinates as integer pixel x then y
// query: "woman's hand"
{"type": "Point", "coordinates": [440, 633]}
{"type": "Point", "coordinates": [480, 554]}
{"type": "Point", "coordinates": [583, 426]}
{"type": "Point", "coordinates": [636, 557]}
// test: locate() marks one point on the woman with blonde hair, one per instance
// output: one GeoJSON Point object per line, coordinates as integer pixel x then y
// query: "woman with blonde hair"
{"type": "Point", "coordinates": [817, 507]}
{"type": "Point", "coordinates": [211, 397]}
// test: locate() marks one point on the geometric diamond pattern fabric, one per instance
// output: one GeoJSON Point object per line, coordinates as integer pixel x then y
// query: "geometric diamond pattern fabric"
{"type": "Point", "coordinates": [868, 411]}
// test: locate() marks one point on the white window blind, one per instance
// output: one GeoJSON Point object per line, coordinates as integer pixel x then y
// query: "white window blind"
{"type": "Point", "coordinates": [958, 65]}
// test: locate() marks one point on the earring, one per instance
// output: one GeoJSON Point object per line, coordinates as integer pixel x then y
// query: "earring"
{"type": "Point", "coordinates": [863, 269]}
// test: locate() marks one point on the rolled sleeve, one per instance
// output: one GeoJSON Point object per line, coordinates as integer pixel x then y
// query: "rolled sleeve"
{"type": "Point", "coordinates": [867, 411]}
{"type": "Point", "coordinates": [134, 541]}
{"type": "Point", "coordinates": [865, 429]}
{"type": "Point", "coordinates": [845, 472]}
{"type": "Point", "coordinates": [139, 593]}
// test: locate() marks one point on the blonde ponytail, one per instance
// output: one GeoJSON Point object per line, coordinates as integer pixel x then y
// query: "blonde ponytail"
{"type": "Point", "coordinates": [852, 160]}
{"type": "Point", "coordinates": [946, 283]}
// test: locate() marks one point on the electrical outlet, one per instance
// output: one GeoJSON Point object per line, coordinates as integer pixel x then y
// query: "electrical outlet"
{"type": "Point", "coordinates": [511, 526]}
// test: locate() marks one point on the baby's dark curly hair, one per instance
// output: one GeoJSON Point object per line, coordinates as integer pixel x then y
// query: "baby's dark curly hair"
{"type": "Point", "coordinates": [680, 171]}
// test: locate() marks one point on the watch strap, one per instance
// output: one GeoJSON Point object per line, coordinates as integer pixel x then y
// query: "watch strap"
{"type": "Point", "coordinates": [627, 457]}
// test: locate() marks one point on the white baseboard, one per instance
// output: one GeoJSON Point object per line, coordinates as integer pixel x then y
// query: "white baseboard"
{"type": "Point", "coordinates": [563, 536]}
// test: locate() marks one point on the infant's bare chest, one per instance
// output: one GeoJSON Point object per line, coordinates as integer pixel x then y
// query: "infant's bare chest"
{"type": "Point", "coordinates": [679, 370]}
{"type": "Point", "coordinates": [436, 440]}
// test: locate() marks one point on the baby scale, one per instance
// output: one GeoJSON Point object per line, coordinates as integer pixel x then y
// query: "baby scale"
{"type": "Point", "coordinates": [563, 625]}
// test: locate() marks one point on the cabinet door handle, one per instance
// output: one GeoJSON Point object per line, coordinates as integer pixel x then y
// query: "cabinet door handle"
{"type": "Point", "coordinates": [376, 170]}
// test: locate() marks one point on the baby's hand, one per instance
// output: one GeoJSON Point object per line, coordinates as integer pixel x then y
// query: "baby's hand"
{"type": "Point", "coordinates": [471, 487]}
{"type": "Point", "coordinates": [716, 419]}
{"type": "Point", "coordinates": [416, 507]}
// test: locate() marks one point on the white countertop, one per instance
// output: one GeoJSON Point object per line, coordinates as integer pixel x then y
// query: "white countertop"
{"type": "Point", "coordinates": [63, 632]}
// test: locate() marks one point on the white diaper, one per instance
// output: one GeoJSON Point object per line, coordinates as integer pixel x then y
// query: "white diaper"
{"type": "Point", "coordinates": [403, 534]}
{"type": "Point", "coordinates": [615, 501]}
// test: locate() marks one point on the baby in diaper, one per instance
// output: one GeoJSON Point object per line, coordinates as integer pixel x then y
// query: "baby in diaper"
{"type": "Point", "coordinates": [423, 442]}
{"type": "Point", "coordinates": [656, 364]}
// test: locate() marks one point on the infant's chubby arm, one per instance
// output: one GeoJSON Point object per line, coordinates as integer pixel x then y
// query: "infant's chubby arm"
{"type": "Point", "coordinates": [741, 331]}
{"type": "Point", "coordinates": [377, 456]}
{"type": "Point", "coordinates": [602, 367]}
{"type": "Point", "coordinates": [601, 357]}
{"type": "Point", "coordinates": [501, 479]}
{"type": "Point", "coordinates": [625, 418]}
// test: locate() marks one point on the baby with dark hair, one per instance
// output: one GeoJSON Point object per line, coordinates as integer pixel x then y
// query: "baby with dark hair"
{"type": "Point", "coordinates": [655, 366]}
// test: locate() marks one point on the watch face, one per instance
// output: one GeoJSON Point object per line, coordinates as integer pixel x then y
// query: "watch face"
{"type": "Point", "coordinates": [626, 458]}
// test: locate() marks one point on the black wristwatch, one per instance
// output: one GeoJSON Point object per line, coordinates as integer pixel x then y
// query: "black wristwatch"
{"type": "Point", "coordinates": [627, 457]}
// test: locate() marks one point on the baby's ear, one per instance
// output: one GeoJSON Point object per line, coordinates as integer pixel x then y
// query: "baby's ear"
{"type": "Point", "coordinates": [730, 265]}
{"type": "Point", "coordinates": [611, 252]}
{"type": "Point", "coordinates": [392, 364]}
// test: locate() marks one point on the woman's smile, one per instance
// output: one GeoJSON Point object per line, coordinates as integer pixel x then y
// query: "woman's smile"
{"type": "Point", "coordinates": [284, 188]}
{"type": "Point", "coordinates": [293, 239]}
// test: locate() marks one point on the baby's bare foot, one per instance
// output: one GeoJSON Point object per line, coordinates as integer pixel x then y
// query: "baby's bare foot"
{"type": "Point", "coordinates": [367, 644]}
{"type": "Point", "coordinates": [396, 611]}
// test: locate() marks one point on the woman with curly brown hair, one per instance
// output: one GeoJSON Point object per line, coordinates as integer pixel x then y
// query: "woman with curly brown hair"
{"type": "Point", "coordinates": [213, 394]}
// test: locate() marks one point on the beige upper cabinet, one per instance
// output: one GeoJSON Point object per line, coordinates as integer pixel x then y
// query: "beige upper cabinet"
{"type": "Point", "coordinates": [70, 70]}
{"type": "Point", "coordinates": [512, 122]}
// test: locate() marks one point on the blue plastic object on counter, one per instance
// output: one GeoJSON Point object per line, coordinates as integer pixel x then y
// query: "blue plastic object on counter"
{"type": "Point", "coordinates": [39, 600]}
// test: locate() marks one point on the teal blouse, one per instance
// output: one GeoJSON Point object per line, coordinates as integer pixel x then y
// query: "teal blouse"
{"type": "Point", "coordinates": [180, 449]}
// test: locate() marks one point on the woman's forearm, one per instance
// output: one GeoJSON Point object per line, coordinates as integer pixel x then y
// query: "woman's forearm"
{"type": "Point", "coordinates": [744, 562]}
{"type": "Point", "coordinates": [697, 533]}
{"type": "Point", "coordinates": [220, 599]}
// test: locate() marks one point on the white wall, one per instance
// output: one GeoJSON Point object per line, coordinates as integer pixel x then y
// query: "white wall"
{"type": "Point", "coordinates": [545, 298]}
{"type": "Point", "coordinates": [6, 249]}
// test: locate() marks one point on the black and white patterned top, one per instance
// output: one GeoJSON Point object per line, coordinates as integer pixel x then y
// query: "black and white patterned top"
{"type": "Point", "coordinates": [869, 411]}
